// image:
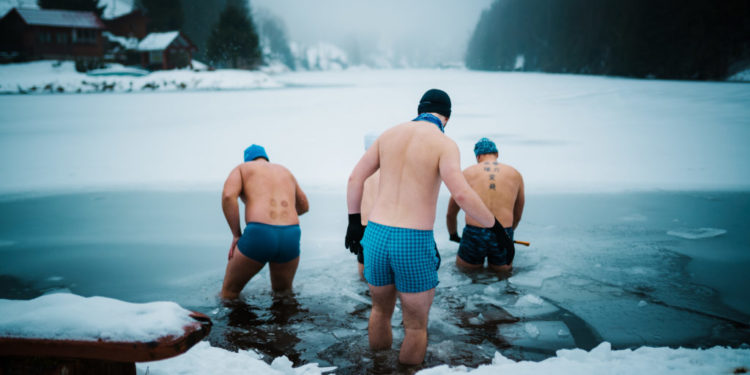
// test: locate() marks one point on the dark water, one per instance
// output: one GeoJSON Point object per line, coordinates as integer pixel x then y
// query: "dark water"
{"type": "Point", "coordinates": [601, 267]}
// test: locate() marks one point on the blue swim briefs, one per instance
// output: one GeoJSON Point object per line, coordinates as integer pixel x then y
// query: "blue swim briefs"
{"type": "Point", "coordinates": [402, 256]}
{"type": "Point", "coordinates": [478, 243]}
{"type": "Point", "coordinates": [270, 243]}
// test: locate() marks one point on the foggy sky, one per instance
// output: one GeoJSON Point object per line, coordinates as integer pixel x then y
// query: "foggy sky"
{"type": "Point", "coordinates": [440, 28]}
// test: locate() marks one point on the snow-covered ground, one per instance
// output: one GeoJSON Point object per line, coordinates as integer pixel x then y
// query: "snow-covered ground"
{"type": "Point", "coordinates": [65, 316]}
{"type": "Point", "coordinates": [46, 77]}
{"type": "Point", "coordinates": [563, 132]}
{"type": "Point", "coordinates": [620, 272]}
{"type": "Point", "coordinates": [204, 359]}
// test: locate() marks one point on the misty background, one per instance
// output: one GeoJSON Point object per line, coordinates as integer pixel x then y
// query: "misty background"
{"type": "Point", "coordinates": [664, 39]}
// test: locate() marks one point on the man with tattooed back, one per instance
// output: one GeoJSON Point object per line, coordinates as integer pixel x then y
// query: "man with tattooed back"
{"type": "Point", "coordinates": [501, 188]}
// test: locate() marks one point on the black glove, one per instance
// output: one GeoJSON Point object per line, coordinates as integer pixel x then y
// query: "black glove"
{"type": "Point", "coordinates": [354, 233]}
{"type": "Point", "coordinates": [504, 240]}
{"type": "Point", "coordinates": [455, 237]}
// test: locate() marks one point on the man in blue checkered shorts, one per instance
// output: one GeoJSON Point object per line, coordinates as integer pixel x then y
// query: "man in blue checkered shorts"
{"type": "Point", "coordinates": [399, 248]}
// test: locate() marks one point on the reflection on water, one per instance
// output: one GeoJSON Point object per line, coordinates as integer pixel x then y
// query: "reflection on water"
{"type": "Point", "coordinates": [242, 325]}
{"type": "Point", "coordinates": [610, 272]}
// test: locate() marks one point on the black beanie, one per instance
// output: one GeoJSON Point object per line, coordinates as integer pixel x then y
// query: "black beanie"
{"type": "Point", "coordinates": [437, 101]}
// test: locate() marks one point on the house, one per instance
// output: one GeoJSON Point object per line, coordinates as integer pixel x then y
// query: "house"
{"type": "Point", "coordinates": [167, 50]}
{"type": "Point", "coordinates": [130, 25]}
{"type": "Point", "coordinates": [33, 34]}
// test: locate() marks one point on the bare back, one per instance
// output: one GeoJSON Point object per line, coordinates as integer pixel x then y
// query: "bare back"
{"type": "Point", "coordinates": [409, 157]}
{"type": "Point", "coordinates": [269, 192]}
{"type": "Point", "coordinates": [499, 185]}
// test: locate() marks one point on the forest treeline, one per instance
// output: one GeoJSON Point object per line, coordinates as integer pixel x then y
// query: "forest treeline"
{"type": "Point", "coordinates": [669, 39]}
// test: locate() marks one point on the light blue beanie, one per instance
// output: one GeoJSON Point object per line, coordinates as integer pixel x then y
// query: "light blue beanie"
{"type": "Point", "coordinates": [254, 151]}
{"type": "Point", "coordinates": [484, 146]}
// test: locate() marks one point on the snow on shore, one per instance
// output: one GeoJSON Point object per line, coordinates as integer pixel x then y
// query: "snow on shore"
{"type": "Point", "coordinates": [61, 77]}
{"type": "Point", "coordinates": [604, 360]}
{"type": "Point", "coordinates": [67, 316]}
{"type": "Point", "coordinates": [206, 359]}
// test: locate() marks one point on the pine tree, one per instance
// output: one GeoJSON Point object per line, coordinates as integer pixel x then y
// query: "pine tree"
{"type": "Point", "coordinates": [84, 5]}
{"type": "Point", "coordinates": [233, 40]}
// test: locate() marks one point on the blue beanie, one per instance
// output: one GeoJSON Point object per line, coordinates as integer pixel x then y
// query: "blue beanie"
{"type": "Point", "coordinates": [484, 146]}
{"type": "Point", "coordinates": [254, 151]}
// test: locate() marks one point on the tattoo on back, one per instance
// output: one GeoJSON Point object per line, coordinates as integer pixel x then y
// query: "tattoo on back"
{"type": "Point", "coordinates": [492, 186]}
{"type": "Point", "coordinates": [486, 169]}
{"type": "Point", "coordinates": [492, 177]}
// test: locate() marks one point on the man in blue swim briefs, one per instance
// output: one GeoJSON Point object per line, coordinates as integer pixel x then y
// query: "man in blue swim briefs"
{"type": "Point", "coordinates": [501, 188]}
{"type": "Point", "coordinates": [273, 200]}
{"type": "Point", "coordinates": [399, 248]}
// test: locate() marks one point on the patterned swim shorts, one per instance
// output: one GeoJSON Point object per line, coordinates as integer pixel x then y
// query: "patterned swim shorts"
{"type": "Point", "coordinates": [478, 243]}
{"type": "Point", "coordinates": [402, 256]}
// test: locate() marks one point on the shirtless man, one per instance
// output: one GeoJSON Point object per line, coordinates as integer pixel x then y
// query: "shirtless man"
{"type": "Point", "coordinates": [399, 247]}
{"type": "Point", "coordinates": [273, 200]}
{"type": "Point", "coordinates": [501, 189]}
{"type": "Point", "coordinates": [369, 192]}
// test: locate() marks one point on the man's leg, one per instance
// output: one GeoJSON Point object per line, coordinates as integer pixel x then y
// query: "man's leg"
{"type": "Point", "coordinates": [282, 274]}
{"type": "Point", "coordinates": [240, 270]}
{"type": "Point", "coordinates": [466, 266]}
{"type": "Point", "coordinates": [503, 270]}
{"type": "Point", "coordinates": [379, 329]}
{"type": "Point", "coordinates": [416, 309]}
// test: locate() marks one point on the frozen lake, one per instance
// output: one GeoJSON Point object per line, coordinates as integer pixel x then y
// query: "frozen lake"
{"type": "Point", "coordinates": [636, 209]}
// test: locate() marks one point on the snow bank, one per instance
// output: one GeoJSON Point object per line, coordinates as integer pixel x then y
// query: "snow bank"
{"type": "Point", "coordinates": [61, 77]}
{"type": "Point", "coordinates": [604, 360]}
{"type": "Point", "coordinates": [743, 76]}
{"type": "Point", "coordinates": [206, 359]}
{"type": "Point", "coordinates": [70, 317]}
{"type": "Point", "coordinates": [696, 234]}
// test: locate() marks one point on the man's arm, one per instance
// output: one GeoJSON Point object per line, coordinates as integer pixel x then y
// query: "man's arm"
{"type": "Point", "coordinates": [300, 200]}
{"type": "Point", "coordinates": [518, 207]}
{"type": "Point", "coordinates": [450, 220]}
{"type": "Point", "coordinates": [232, 190]}
{"type": "Point", "coordinates": [461, 192]}
{"type": "Point", "coordinates": [367, 165]}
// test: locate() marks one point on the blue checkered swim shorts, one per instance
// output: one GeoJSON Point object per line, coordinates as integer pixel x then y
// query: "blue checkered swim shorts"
{"type": "Point", "coordinates": [402, 256]}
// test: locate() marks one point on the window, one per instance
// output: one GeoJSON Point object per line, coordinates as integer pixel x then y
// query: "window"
{"type": "Point", "coordinates": [87, 36]}
{"type": "Point", "coordinates": [44, 37]}
{"type": "Point", "coordinates": [62, 37]}
{"type": "Point", "coordinates": [154, 57]}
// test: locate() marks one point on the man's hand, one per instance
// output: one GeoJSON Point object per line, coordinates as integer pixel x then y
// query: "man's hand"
{"type": "Point", "coordinates": [354, 233]}
{"type": "Point", "coordinates": [504, 240]}
{"type": "Point", "coordinates": [455, 238]}
{"type": "Point", "coordinates": [231, 248]}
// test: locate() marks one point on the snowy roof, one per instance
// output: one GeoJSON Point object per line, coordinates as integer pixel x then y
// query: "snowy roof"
{"type": "Point", "coordinates": [7, 5]}
{"type": "Point", "coordinates": [160, 41]}
{"type": "Point", "coordinates": [127, 43]}
{"type": "Point", "coordinates": [116, 8]}
{"type": "Point", "coordinates": [60, 18]}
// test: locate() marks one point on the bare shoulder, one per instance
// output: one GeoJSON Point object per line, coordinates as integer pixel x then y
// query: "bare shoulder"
{"type": "Point", "coordinates": [472, 170]}
{"type": "Point", "coordinates": [512, 170]}
{"type": "Point", "coordinates": [278, 168]}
